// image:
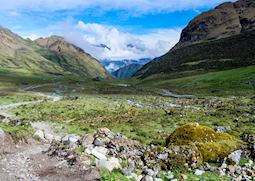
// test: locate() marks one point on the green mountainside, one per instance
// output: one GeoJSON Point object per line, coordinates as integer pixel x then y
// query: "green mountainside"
{"type": "Point", "coordinates": [26, 57]}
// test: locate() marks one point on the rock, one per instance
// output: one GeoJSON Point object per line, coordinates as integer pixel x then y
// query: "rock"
{"type": "Point", "coordinates": [70, 139]}
{"type": "Point", "coordinates": [57, 138]}
{"type": "Point", "coordinates": [2, 134]}
{"type": "Point", "coordinates": [85, 162]}
{"type": "Point", "coordinates": [163, 156]}
{"type": "Point", "coordinates": [39, 134]}
{"type": "Point", "coordinates": [222, 129]}
{"type": "Point", "coordinates": [184, 177]}
{"type": "Point", "coordinates": [111, 164]}
{"type": "Point", "coordinates": [234, 158]}
{"type": "Point", "coordinates": [98, 151]}
{"type": "Point", "coordinates": [101, 149]}
{"type": "Point", "coordinates": [212, 145]}
{"type": "Point", "coordinates": [222, 173]}
{"type": "Point", "coordinates": [48, 137]}
{"type": "Point", "coordinates": [250, 173]}
{"type": "Point", "coordinates": [150, 172]}
{"type": "Point", "coordinates": [6, 121]}
{"type": "Point", "coordinates": [199, 172]}
{"type": "Point", "coordinates": [126, 172]}
{"type": "Point", "coordinates": [105, 132]}
{"type": "Point", "coordinates": [231, 169]}
{"type": "Point", "coordinates": [101, 141]}
{"type": "Point", "coordinates": [147, 178]}
{"type": "Point", "coordinates": [87, 140]}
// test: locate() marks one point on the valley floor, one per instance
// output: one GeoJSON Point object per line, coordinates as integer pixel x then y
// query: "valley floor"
{"type": "Point", "coordinates": [146, 114]}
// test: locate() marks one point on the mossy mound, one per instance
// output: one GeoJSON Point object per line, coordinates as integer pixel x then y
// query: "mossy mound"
{"type": "Point", "coordinates": [212, 145]}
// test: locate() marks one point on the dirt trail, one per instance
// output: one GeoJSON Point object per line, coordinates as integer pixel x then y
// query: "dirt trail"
{"type": "Point", "coordinates": [29, 163]}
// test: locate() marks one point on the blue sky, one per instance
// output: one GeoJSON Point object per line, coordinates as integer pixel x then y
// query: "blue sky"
{"type": "Point", "coordinates": [152, 27]}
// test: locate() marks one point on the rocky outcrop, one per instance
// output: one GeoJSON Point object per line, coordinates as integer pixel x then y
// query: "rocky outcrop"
{"type": "Point", "coordinates": [184, 149]}
{"type": "Point", "coordinates": [225, 20]}
{"type": "Point", "coordinates": [220, 39]}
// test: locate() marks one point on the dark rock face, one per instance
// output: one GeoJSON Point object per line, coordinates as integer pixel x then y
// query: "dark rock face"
{"type": "Point", "coordinates": [225, 20]}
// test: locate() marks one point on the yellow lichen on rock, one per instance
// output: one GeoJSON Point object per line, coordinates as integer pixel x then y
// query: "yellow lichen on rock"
{"type": "Point", "coordinates": [212, 145]}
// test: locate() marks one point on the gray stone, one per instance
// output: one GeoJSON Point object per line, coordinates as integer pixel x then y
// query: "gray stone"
{"type": "Point", "coordinates": [163, 156]}
{"type": "Point", "coordinates": [222, 129]}
{"type": "Point", "coordinates": [39, 134]}
{"type": "Point", "coordinates": [111, 164]}
{"type": "Point", "coordinates": [199, 172]}
{"type": "Point", "coordinates": [235, 157]}
{"type": "Point", "coordinates": [150, 172]}
{"type": "Point", "coordinates": [96, 153]}
{"type": "Point", "coordinates": [101, 141]}
{"type": "Point", "coordinates": [49, 137]}
{"type": "Point", "coordinates": [70, 139]}
{"type": "Point", "coordinates": [87, 140]}
{"type": "Point", "coordinates": [147, 178]}
{"type": "Point", "coordinates": [126, 171]}
{"type": "Point", "coordinates": [231, 169]}
{"type": "Point", "coordinates": [2, 134]}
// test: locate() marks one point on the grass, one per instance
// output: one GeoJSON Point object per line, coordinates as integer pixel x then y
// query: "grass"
{"type": "Point", "coordinates": [148, 124]}
{"type": "Point", "coordinates": [17, 132]}
{"type": "Point", "coordinates": [103, 104]}
{"type": "Point", "coordinates": [221, 83]}
{"type": "Point", "coordinates": [115, 175]}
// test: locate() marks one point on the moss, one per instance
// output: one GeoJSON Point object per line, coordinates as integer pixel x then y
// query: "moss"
{"type": "Point", "coordinates": [212, 145]}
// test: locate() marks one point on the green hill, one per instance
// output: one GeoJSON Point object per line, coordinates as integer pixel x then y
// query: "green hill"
{"type": "Point", "coordinates": [25, 57]}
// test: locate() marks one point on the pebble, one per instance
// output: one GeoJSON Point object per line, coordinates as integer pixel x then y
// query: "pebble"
{"type": "Point", "coordinates": [199, 172]}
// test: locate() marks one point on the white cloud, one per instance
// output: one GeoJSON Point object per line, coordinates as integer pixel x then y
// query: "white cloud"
{"type": "Point", "coordinates": [135, 6]}
{"type": "Point", "coordinates": [121, 45]}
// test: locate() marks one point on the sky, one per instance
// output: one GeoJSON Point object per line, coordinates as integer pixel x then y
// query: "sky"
{"type": "Point", "coordinates": [106, 29]}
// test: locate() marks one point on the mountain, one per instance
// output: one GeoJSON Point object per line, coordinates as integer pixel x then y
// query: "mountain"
{"type": "Point", "coordinates": [114, 65]}
{"type": "Point", "coordinates": [51, 56]}
{"type": "Point", "coordinates": [127, 71]}
{"type": "Point", "coordinates": [220, 39]}
{"type": "Point", "coordinates": [18, 55]}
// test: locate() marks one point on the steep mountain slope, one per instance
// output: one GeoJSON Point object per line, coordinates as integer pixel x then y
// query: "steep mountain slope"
{"type": "Point", "coordinates": [127, 71]}
{"type": "Point", "coordinates": [71, 58]}
{"type": "Point", "coordinates": [18, 55]}
{"type": "Point", "coordinates": [52, 56]}
{"type": "Point", "coordinates": [223, 38]}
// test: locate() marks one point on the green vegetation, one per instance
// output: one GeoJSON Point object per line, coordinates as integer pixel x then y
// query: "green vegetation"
{"type": "Point", "coordinates": [216, 55]}
{"type": "Point", "coordinates": [115, 175]}
{"type": "Point", "coordinates": [229, 82]}
{"type": "Point", "coordinates": [18, 132]}
{"type": "Point", "coordinates": [210, 144]}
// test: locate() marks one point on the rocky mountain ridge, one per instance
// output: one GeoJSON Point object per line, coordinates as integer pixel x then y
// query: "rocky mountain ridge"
{"type": "Point", "coordinates": [225, 20]}
{"type": "Point", "coordinates": [220, 39]}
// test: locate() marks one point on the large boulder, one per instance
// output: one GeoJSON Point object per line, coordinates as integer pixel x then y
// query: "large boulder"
{"type": "Point", "coordinates": [213, 146]}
